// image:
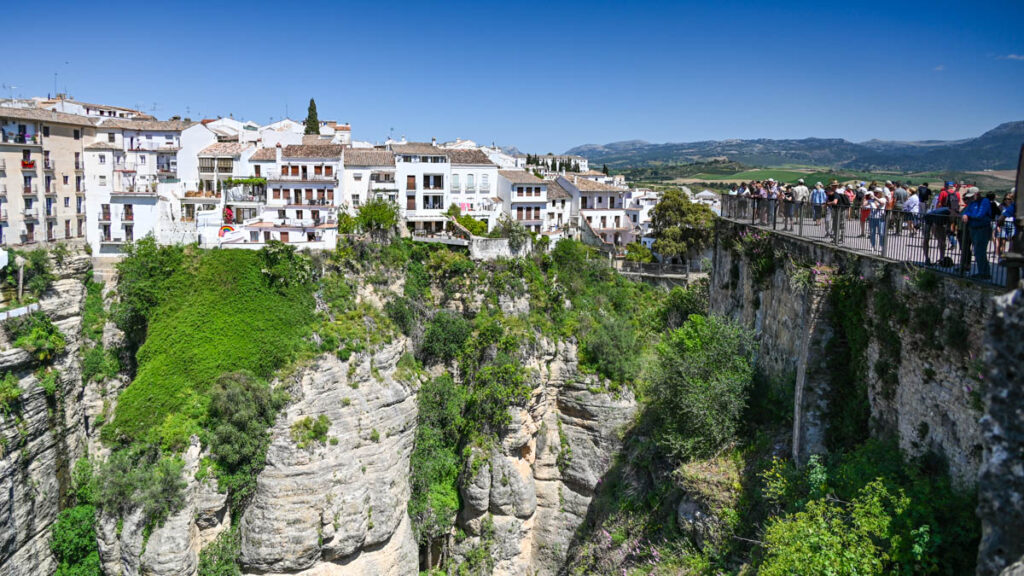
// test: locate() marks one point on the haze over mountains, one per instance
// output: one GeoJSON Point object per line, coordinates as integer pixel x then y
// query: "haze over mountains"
{"type": "Point", "coordinates": [996, 149]}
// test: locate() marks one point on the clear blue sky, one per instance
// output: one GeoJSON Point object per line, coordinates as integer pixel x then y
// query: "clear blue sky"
{"type": "Point", "coordinates": [543, 76]}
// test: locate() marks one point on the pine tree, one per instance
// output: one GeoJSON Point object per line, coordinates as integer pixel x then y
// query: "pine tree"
{"type": "Point", "coordinates": [312, 122]}
{"type": "Point", "coordinates": [605, 169]}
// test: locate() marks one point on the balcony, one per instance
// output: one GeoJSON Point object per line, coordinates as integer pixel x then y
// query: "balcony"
{"type": "Point", "coordinates": [18, 138]}
{"type": "Point", "coordinates": [51, 191]}
{"type": "Point", "coordinates": [48, 164]}
{"type": "Point", "coordinates": [33, 189]}
{"type": "Point", "coordinates": [124, 167]}
{"type": "Point", "coordinates": [330, 178]}
{"type": "Point", "coordinates": [28, 164]}
{"type": "Point", "coordinates": [3, 165]}
{"type": "Point", "coordinates": [3, 189]}
{"type": "Point", "coordinates": [103, 216]}
{"type": "Point", "coordinates": [31, 213]}
{"type": "Point", "coordinates": [111, 240]}
{"type": "Point", "coordinates": [79, 165]}
{"type": "Point", "coordinates": [140, 190]}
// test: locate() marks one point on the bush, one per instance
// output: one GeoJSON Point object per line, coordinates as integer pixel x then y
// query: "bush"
{"type": "Point", "coordinates": [241, 410]}
{"type": "Point", "coordinates": [637, 252]}
{"type": "Point", "coordinates": [377, 217]}
{"type": "Point", "coordinates": [496, 388]}
{"type": "Point", "coordinates": [444, 337]}
{"type": "Point", "coordinates": [699, 386]}
{"type": "Point", "coordinates": [306, 431]}
{"type": "Point", "coordinates": [37, 335]}
{"type": "Point", "coordinates": [402, 313]}
{"type": "Point", "coordinates": [141, 477]}
{"type": "Point", "coordinates": [143, 280]}
{"type": "Point", "coordinates": [220, 557]}
{"type": "Point", "coordinates": [681, 303]}
{"type": "Point", "coordinates": [73, 542]}
{"type": "Point", "coordinates": [611, 347]}
{"type": "Point", "coordinates": [10, 392]}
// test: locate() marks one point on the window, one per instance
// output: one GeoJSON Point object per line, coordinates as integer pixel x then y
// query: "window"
{"type": "Point", "coordinates": [65, 178]}
{"type": "Point", "coordinates": [357, 176]}
{"type": "Point", "coordinates": [46, 131]}
{"type": "Point", "coordinates": [67, 202]}
{"type": "Point", "coordinates": [456, 187]}
{"type": "Point", "coordinates": [277, 193]}
{"type": "Point", "coordinates": [485, 184]}
{"type": "Point", "coordinates": [110, 137]}
{"type": "Point", "coordinates": [78, 183]}
{"type": "Point", "coordinates": [102, 180]}
{"type": "Point", "coordinates": [78, 136]}
{"type": "Point", "coordinates": [103, 158]}
{"type": "Point", "coordinates": [470, 183]}
{"type": "Point", "coordinates": [142, 159]}
{"type": "Point", "coordinates": [355, 200]}
{"type": "Point", "coordinates": [26, 155]}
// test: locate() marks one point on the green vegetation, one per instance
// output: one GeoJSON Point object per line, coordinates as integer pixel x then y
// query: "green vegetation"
{"type": "Point", "coordinates": [10, 392]}
{"type": "Point", "coordinates": [222, 311]}
{"type": "Point", "coordinates": [37, 335]}
{"type": "Point", "coordinates": [699, 388]}
{"type": "Point", "coordinates": [637, 252]}
{"type": "Point", "coordinates": [680, 226]}
{"type": "Point", "coordinates": [377, 217]}
{"type": "Point", "coordinates": [444, 337]}
{"type": "Point", "coordinates": [73, 541]}
{"type": "Point", "coordinates": [220, 557]}
{"type": "Point", "coordinates": [312, 122]}
{"type": "Point", "coordinates": [308, 431]}
{"type": "Point", "coordinates": [474, 226]}
{"type": "Point", "coordinates": [37, 275]}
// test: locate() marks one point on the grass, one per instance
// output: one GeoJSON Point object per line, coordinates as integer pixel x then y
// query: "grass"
{"type": "Point", "coordinates": [220, 316]}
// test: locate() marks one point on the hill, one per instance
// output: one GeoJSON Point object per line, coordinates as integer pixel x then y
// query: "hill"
{"type": "Point", "coordinates": [996, 149]}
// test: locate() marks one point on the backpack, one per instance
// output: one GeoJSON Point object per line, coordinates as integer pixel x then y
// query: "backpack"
{"type": "Point", "coordinates": [949, 201]}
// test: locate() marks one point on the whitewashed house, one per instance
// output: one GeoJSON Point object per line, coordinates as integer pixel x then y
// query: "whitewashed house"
{"type": "Point", "coordinates": [473, 183]}
{"type": "Point", "coordinates": [524, 198]}
{"type": "Point", "coordinates": [368, 173]}
{"type": "Point", "coordinates": [423, 173]}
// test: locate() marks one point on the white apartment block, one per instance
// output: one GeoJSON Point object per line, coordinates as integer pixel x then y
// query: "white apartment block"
{"type": "Point", "coordinates": [600, 207]}
{"type": "Point", "coordinates": [559, 212]}
{"type": "Point", "coordinates": [41, 176]}
{"type": "Point", "coordinates": [524, 198]}
{"type": "Point", "coordinates": [474, 183]}
{"type": "Point", "coordinates": [423, 174]}
{"type": "Point", "coordinates": [369, 173]}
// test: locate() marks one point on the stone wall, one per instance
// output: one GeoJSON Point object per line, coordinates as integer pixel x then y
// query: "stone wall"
{"type": "Point", "coordinates": [923, 352]}
{"type": "Point", "coordinates": [494, 248]}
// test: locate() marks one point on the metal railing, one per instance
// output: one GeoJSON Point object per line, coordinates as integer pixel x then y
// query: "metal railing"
{"type": "Point", "coordinates": [935, 239]}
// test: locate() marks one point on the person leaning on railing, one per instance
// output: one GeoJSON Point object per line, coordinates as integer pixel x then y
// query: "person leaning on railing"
{"type": "Point", "coordinates": [818, 199]}
{"type": "Point", "coordinates": [1005, 223]}
{"type": "Point", "coordinates": [977, 217]}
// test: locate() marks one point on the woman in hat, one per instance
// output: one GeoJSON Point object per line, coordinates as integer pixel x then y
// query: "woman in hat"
{"type": "Point", "coordinates": [977, 216]}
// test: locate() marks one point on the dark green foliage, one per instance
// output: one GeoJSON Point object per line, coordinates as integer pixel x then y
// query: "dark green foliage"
{"type": "Point", "coordinates": [700, 386]}
{"type": "Point", "coordinates": [680, 227]}
{"type": "Point", "coordinates": [223, 313]}
{"type": "Point", "coordinates": [496, 388]}
{"type": "Point", "coordinates": [759, 250]}
{"type": "Point", "coordinates": [611, 348]}
{"type": "Point", "coordinates": [870, 508]}
{"type": "Point", "coordinates": [10, 392]}
{"type": "Point", "coordinates": [99, 363]}
{"type": "Point", "coordinates": [241, 410]}
{"type": "Point", "coordinates": [38, 274]}
{"type": "Point", "coordinates": [73, 542]}
{"type": "Point", "coordinates": [312, 122]}
{"type": "Point", "coordinates": [848, 408]}
{"type": "Point", "coordinates": [637, 252]}
{"type": "Point", "coordinates": [444, 337]}
{"type": "Point", "coordinates": [435, 461]}
{"type": "Point", "coordinates": [402, 313]}
{"type": "Point", "coordinates": [283, 267]}
{"type": "Point", "coordinates": [683, 302]}
{"type": "Point", "coordinates": [37, 335]}
{"type": "Point", "coordinates": [141, 477]}
{"type": "Point", "coordinates": [474, 226]}
{"type": "Point", "coordinates": [220, 557]}
{"type": "Point", "coordinates": [144, 278]}
{"type": "Point", "coordinates": [417, 282]}
{"type": "Point", "coordinates": [93, 315]}
{"type": "Point", "coordinates": [377, 217]}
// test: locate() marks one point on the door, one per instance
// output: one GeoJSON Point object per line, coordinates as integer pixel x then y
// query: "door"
{"type": "Point", "coordinates": [410, 182]}
{"type": "Point", "coordinates": [410, 203]}
{"type": "Point", "coordinates": [284, 236]}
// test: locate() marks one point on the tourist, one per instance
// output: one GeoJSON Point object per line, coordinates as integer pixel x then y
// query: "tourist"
{"type": "Point", "coordinates": [924, 195]}
{"type": "Point", "coordinates": [840, 206]}
{"type": "Point", "coordinates": [876, 218]}
{"type": "Point", "coordinates": [912, 211]}
{"type": "Point", "coordinates": [862, 193]}
{"type": "Point", "coordinates": [1005, 223]}
{"type": "Point", "coordinates": [788, 206]}
{"type": "Point", "coordinates": [899, 198]}
{"type": "Point", "coordinates": [977, 217]}
{"type": "Point", "coordinates": [818, 199]}
{"type": "Point", "coordinates": [949, 198]}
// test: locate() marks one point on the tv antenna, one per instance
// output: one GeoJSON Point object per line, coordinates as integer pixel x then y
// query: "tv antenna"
{"type": "Point", "coordinates": [11, 89]}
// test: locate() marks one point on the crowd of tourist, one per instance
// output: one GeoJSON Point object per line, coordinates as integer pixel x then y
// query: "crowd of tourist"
{"type": "Point", "coordinates": [955, 213]}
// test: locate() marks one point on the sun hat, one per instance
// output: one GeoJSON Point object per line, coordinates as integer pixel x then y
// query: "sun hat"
{"type": "Point", "coordinates": [879, 190]}
{"type": "Point", "coordinates": [800, 181]}
{"type": "Point", "coordinates": [971, 192]}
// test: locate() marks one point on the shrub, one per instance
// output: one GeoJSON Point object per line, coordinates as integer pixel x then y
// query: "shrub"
{"type": "Point", "coordinates": [637, 252]}
{"type": "Point", "coordinates": [377, 217]}
{"type": "Point", "coordinates": [220, 557]}
{"type": "Point", "coordinates": [444, 337]}
{"type": "Point", "coordinates": [37, 335]}
{"type": "Point", "coordinates": [402, 313]}
{"type": "Point", "coordinates": [140, 477]}
{"type": "Point", "coordinates": [611, 348]}
{"type": "Point", "coordinates": [10, 392]}
{"type": "Point", "coordinates": [143, 280]}
{"type": "Point", "coordinates": [73, 542]}
{"type": "Point", "coordinates": [699, 386]}
{"type": "Point", "coordinates": [306, 431]}
{"type": "Point", "coordinates": [241, 410]}
{"type": "Point", "coordinates": [681, 303]}
{"type": "Point", "coordinates": [496, 388]}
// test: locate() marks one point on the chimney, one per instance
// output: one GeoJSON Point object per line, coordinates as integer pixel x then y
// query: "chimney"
{"type": "Point", "coordinates": [277, 153]}
{"type": "Point", "coordinates": [433, 141]}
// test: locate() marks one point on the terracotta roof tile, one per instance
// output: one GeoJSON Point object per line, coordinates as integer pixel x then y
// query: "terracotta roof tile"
{"type": "Point", "coordinates": [471, 156]}
{"type": "Point", "coordinates": [41, 115]}
{"type": "Point", "coordinates": [222, 149]}
{"type": "Point", "coordinates": [369, 157]}
{"type": "Point", "coordinates": [418, 149]}
{"type": "Point", "coordinates": [587, 185]}
{"type": "Point", "coordinates": [264, 155]}
{"type": "Point", "coordinates": [313, 151]}
{"type": "Point", "coordinates": [555, 191]}
{"type": "Point", "coordinates": [520, 177]}
{"type": "Point", "coordinates": [154, 125]}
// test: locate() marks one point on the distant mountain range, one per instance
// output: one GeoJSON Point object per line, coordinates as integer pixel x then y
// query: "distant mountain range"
{"type": "Point", "coordinates": [996, 149]}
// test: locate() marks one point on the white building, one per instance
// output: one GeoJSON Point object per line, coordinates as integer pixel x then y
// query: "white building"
{"type": "Point", "coordinates": [601, 207]}
{"type": "Point", "coordinates": [285, 132]}
{"type": "Point", "coordinates": [559, 212]}
{"type": "Point", "coordinates": [368, 173]}
{"type": "Point", "coordinates": [62, 103]}
{"type": "Point", "coordinates": [423, 173]}
{"type": "Point", "coordinates": [473, 183]}
{"type": "Point", "coordinates": [524, 198]}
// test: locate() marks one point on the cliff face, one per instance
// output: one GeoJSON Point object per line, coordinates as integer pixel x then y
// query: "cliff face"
{"type": "Point", "coordinates": [922, 353]}
{"type": "Point", "coordinates": [525, 503]}
{"type": "Point", "coordinates": [43, 436]}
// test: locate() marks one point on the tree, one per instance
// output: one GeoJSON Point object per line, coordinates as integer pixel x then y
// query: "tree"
{"type": "Point", "coordinates": [680, 226]}
{"type": "Point", "coordinates": [637, 252]}
{"type": "Point", "coordinates": [377, 217]}
{"type": "Point", "coordinates": [604, 168]}
{"type": "Point", "coordinates": [312, 122]}
{"type": "Point", "coordinates": [699, 385]}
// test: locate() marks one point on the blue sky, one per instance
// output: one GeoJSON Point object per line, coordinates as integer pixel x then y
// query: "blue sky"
{"type": "Point", "coordinates": [542, 76]}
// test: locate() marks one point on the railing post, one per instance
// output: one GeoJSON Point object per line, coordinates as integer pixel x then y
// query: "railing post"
{"type": "Point", "coordinates": [885, 233]}
{"type": "Point", "coordinates": [800, 219]}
